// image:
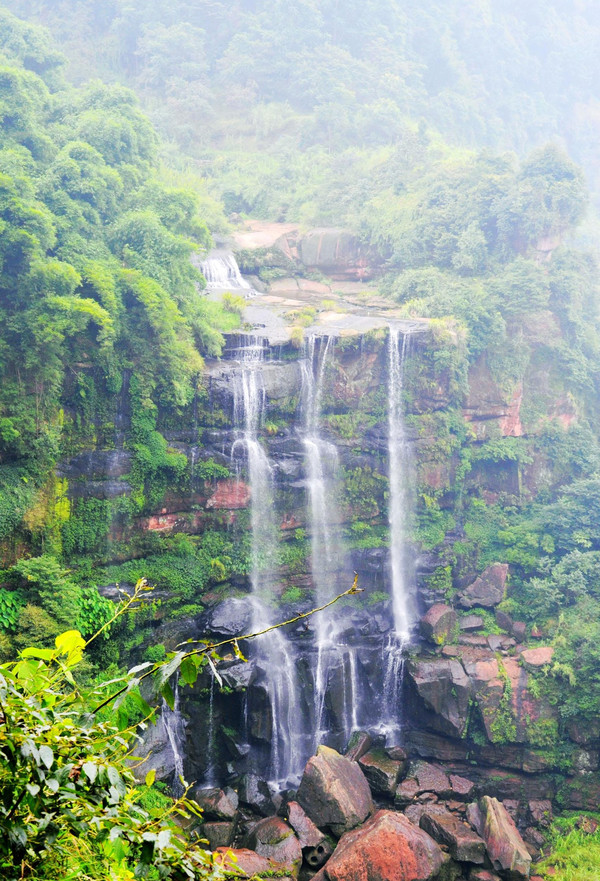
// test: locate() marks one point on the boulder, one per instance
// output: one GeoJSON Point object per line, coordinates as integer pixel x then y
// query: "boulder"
{"type": "Point", "coordinates": [505, 847]}
{"type": "Point", "coordinates": [438, 625]}
{"type": "Point", "coordinates": [519, 630]}
{"type": "Point", "coordinates": [274, 839]}
{"type": "Point", "coordinates": [232, 617]}
{"type": "Point", "coordinates": [463, 843]}
{"type": "Point", "coordinates": [218, 834]}
{"type": "Point", "coordinates": [360, 743]}
{"type": "Point", "coordinates": [216, 803]}
{"type": "Point", "coordinates": [334, 792]}
{"type": "Point", "coordinates": [471, 622]}
{"type": "Point", "coordinates": [387, 848]}
{"type": "Point", "coordinates": [303, 826]}
{"type": "Point", "coordinates": [255, 793]}
{"type": "Point", "coordinates": [461, 787]}
{"type": "Point", "coordinates": [535, 659]}
{"type": "Point", "coordinates": [381, 771]}
{"type": "Point", "coordinates": [243, 862]}
{"type": "Point", "coordinates": [487, 590]}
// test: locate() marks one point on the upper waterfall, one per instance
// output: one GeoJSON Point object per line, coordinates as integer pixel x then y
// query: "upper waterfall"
{"type": "Point", "coordinates": [221, 271]}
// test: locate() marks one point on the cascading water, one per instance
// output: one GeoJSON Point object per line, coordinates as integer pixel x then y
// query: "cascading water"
{"type": "Point", "coordinates": [328, 564]}
{"type": "Point", "coordinates": [276, 656]}
{"type": "Point", "coordinates": [399, 474]}
{"type": "Point", "coordinates": [399, 509]}
{"type": "Point", "coordinates": [222, 272]}
{"type": "Point", "coordinates": [174, 726]}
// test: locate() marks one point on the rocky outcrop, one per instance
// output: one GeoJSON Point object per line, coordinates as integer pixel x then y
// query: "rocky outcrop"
{"type": "Point", "coordinates": [487, 590]}
{"type": "Point", "coordinates": [505, 847]}
{"type": "Point", "coordinates": [337, 252]}
{"type": "Point", "coordinates": [387, 848]}
{"type": "Point", "coordinates": [334, 792]}
{"type": "Point", "coordinates": [441, 694]}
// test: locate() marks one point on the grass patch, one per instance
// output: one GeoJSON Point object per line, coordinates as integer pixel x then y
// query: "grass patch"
{"type": "Point", "coordinates": [575, 854]}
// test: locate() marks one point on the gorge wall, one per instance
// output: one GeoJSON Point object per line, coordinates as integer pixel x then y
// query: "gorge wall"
{"type": "Point", "coordinates": [474, 689]}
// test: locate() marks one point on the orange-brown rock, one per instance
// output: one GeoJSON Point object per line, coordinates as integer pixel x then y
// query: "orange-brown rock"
{"type": "Point", "coordinates": [387, 848]}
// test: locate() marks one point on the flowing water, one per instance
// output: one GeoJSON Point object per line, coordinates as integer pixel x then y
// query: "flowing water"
{"type": "Point", "coordinates": [222, 272]}
{"type": "Point", "coordinates": [335, 661]}
{"type": "Point", "coordinates": [275, 654]}
{"type": "Point", "coordinates": [400, 506]}
{"type": "Point", "coordinates": [174, 726]}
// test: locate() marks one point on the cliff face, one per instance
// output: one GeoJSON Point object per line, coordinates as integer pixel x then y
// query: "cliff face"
{"type": "Point", "coordinates": [475, 694]}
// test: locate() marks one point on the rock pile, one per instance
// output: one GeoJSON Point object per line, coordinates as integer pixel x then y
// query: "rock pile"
{"type": "Point", "coordinates": [428, 829]}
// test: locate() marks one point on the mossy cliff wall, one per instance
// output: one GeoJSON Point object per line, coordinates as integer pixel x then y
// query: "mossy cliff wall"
{"type": "Point", "coordinates": [154, 493]}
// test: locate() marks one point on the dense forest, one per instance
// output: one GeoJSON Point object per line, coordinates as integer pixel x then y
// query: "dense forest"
{"type": "Point", "coordinates": [458, 142]}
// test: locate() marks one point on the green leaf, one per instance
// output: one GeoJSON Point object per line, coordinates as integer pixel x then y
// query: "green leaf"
{"type": "Point", "coordinates": [33, 789]}
{"type": "Point", "coordinates": [167, 692]}
{"type": "Point", "coordinates": [69, 642]}
{"type": "Point", "coordinates": [52, 784]}
{"type": "Point", "coordinates": [41, 654]}
{"type": "Point", "coordinates": [90, 770]}
{"type": "Point", "coordinates": [150, 777]}
{"type": "Point", "coordinates": [188, 671]}
{"type": "Point", "coordinates": [46, 755]}
{"type": "Point", "coordinates": [167, 669]}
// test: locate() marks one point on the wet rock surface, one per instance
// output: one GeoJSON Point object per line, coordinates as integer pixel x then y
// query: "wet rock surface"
{"type": "Point", "coordinates": [334, 792]}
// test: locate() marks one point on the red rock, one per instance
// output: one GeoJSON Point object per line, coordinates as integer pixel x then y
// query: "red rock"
{"type": "Point", "coordinates": [406, 792]}
{"type": "Point", "coordinates": [273, 839]}
{"type": "Point", "coordinates": [540, 812]}
{"type": "Point", "coordinates": [230, 495]}
{"type": "Point", "coordinates": [303, 826]}
{"type": "Point", "coordinates": [244, 860]}
{"type": "Point", "coordinates": [334, 792]}
{"type": "Point", "coordinates": [387, 848]}
{"type": "Point", "coordinates": [431, 778]}
{"type": "Point", "coordinates": [463, 843]}
{"type": "Point", "coordinates": [538, 657]}
{"type": "Point", "coordinates": [461, 786]}
{"type": "Point", "coordinates": [437, 626]}
{"type": "Point", "coordinates": [505, 847]}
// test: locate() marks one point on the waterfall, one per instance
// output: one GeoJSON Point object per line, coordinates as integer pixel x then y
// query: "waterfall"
{"type": "Point", "coordinates": [399, 509]}
{"type": "Point", "coordinates": [399, 474]}
{"type": "Point", "coordinates": [210, 777]}
{"type": "Point", "coordinates": [222, 272]}
{"type": "Point", "coordinates": [174, 726]}
{"type": "Point", "coordinates": [327, 556]}
{"type": "Point", "coordinates": [275, 654]}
